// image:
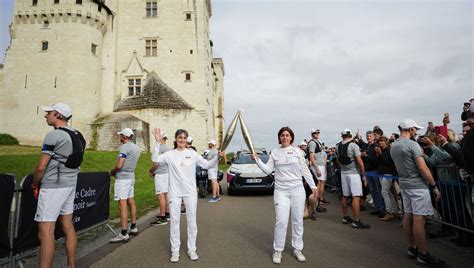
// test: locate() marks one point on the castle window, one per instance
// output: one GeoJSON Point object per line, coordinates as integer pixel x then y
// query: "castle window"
{"type": "Point", "coordinates": [44, 46]}
{"type": "Point", "coordinates": [45, 24]}
{"type": "Point", "coordinates": [151, 47]}
{"type": "Point", "coordinates": [188, 16]}
{"type": "Point", "coordinates": [191, 51]}
{"type": "Point", "coordinates": [151, 9]}
{"type": "Point", "coordinates": [34, 2]}
{"type": "Point", "coordinates": [56, 1]}
{"type": "Point", "coordinates": [94, 49]}
{"type": "Point", "coordinates": [187, 76]}
{"type": "Point", "coordinates": [134, 86]}
{"type": "Point", "coordinates": [79, 2]}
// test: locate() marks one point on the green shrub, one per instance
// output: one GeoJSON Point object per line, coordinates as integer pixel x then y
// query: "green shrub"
{"type": "Point", "coordinates": [7, 139]}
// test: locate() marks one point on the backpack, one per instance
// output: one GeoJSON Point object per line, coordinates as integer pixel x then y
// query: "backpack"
{"type": "Point", "coordinates": [316, 150]}
{"type": "Point", "coordinates": [74, 160]}
{"type": "Point", "coordinates": [342, 153]}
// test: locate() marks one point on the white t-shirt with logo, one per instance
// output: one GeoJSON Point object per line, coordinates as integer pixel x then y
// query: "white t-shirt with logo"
{"type": "Point", "coordinates": [182, 170]}
{"type": "Point", "coordinates": [289, 166]}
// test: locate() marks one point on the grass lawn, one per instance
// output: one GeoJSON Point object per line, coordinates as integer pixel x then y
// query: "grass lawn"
{"type": "Point", "coordinates": [22, 160]}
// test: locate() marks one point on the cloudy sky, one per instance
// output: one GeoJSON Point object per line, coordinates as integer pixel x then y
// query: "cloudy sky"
{"type": "Point", "coordinates": [338, 64]}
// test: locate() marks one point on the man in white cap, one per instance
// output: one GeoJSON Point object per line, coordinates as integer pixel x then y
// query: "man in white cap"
{"type": "Point", "coordinates": [58, 185]}
{"type": "Point", "coordinates": [352, 166]}
{"type": "Point", "coordinates": [161, 177]}
{"type": "Point", "coordinates": [318, 160]}
{"type": "Point", "coordinates": [415, 182]}
{"type": "Point", "coordinates": [189, 143]}
{"type": "Point", "coordinates": [124, 172]}
{"type": "Point", "coordinates": [212, 172]}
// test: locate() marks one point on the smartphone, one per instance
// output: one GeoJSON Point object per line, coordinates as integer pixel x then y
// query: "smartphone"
{"type": "Point", "coordinates": [442, 130]}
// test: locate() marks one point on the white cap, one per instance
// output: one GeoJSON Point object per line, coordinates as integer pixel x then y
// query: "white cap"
{"type": "Point", "coordinates": [127, 132]}
{"type": "Point", "coordinates": [302, 143]}
{"type": "Point", "coordinates": [163, 135]}
{"type": "Point", "coordinates": [190, 139]}
{"type": "Point", "coordinates": [314, 130]}
{"type": "Point", "coordinates": [346, 131]}
{"type": "Point", "coordinates": [409, 123]}
{"type": "Point", "coordinates": [61, 108]}
{"type": "Point", "coordinates": [213, 142]}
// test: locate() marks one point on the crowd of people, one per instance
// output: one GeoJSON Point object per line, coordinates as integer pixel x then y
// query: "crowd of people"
{"type": "Point", "coordinates": [404, 164]}
{"type": "Point", "coordinates": [411, 165]}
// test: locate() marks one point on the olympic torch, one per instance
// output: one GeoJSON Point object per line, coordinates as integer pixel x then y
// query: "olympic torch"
{"type": "Point", "coordinates": [230, 132]}
{"type": "Point", "coordinates": [246, 134]}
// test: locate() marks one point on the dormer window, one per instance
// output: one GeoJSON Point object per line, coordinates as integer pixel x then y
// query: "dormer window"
{"type": "Point", "coordinates": [134, 87]}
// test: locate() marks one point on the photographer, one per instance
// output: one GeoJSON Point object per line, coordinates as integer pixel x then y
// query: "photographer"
{"type": "Point", "coordinates": [466, 109]}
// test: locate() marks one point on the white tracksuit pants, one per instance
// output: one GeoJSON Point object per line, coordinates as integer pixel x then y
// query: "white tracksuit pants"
{"type": "Point", "coordinates": [190, 202]}
{"type": "Point", "coordinates": [286, 203]}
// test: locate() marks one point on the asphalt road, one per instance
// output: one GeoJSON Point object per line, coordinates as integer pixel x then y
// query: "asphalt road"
{"type": "Point", "coordinates": [238, 232]}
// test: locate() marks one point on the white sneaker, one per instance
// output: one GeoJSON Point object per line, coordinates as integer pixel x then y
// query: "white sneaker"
{"type": "Point", "coordinates": [193, 255]}
{"type": "Point", "coordinates": [120, 238]}
{"type": "Point", "coordinates": [299, 255]}
{"type": "Point", "coordinates": [133, 231]}
{"type": "Point", "coordinates": [174, 256]}
{"type": "Point", "coordinates": [277, 257]}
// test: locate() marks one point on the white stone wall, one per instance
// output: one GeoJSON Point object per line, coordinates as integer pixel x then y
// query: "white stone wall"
{"type": "Point", "coordinates": [69, 72]}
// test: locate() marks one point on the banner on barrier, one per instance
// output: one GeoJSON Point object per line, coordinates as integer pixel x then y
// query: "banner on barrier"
{"type": "Point", "coordinates": [91, 206]}
{"type": "Point", "coordinates": [7, 190]}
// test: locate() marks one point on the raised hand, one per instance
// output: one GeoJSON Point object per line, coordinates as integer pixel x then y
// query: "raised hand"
{"type": "Point", "coordinates": [157, 134]}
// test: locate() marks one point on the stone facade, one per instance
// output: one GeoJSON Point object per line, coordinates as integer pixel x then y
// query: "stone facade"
{"type": "Point", "coordinates": [99, 57]}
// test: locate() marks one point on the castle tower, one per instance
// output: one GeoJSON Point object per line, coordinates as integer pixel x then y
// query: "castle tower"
{"type": "Point", "coordinates": [54, 56]}
{"type": "Point", "coordinates": [100, 56]}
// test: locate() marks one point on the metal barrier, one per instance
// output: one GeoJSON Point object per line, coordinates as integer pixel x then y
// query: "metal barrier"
{"type": "Point", "coordinates": [22, 230]}
{"type": "Point", "coordinates": [456, 206]}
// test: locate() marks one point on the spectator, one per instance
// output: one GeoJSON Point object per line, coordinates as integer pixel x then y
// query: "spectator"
{"type": "Point", "coordinates": [386, 166]}
{"type": "Point", "coordinates": [467, 109]}
{"type": "Point", "coordinates": [415, 178]}
{"type": "Point", "coordinates": [370, 163]}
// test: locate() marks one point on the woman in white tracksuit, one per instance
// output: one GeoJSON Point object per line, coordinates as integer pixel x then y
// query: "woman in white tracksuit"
{"type": "Point", "coordinates": [289, 195]}
{"type": "Point", "coordinates": [182, 188]}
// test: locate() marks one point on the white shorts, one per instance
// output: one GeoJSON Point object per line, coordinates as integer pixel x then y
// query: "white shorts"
{"type": "Point", "coordinates": [53, 202]}
{"type": "Point", "coordinates": [161, 183]}
{"type": "Point", "coordinates": [212, 174]}
{"type": "Point", "coordinates": [351, 184]}
{"type": "Point", "coordinates": [324, 174]}
{"type": "Point", "coordinates": [417, 201]}
{"type": "Point", "coordinates": [123, 189]}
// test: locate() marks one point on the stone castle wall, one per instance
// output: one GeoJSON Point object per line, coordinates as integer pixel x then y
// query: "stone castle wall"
{"type": "Point", "coordinates": [91, 83]}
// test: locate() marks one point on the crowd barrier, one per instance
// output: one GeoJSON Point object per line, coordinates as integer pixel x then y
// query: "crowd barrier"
{"type": "Point", "coordinates": [456, 206]}
{"type": "Point", "coordinates": [19, 231]}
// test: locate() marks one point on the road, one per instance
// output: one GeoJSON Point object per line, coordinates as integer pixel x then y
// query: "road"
{"type": "Point", "coordinates": [238, 232]}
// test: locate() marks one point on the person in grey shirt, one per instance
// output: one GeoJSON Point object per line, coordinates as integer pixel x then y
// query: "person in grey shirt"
{"type": "Point", "coordinates": [58, 186]}
{"type": "Point", "coordinates": [318, 161]}
{"type": "Point", "coordinates": [212, 172]}
{"type": "Point", "coordinates": [160, 174]}
{"type": "Point", "coordinates": [415, 179]}
{"type": "Point", "coordinates": [124, 172]}
{"type": "Point", "coordinates": [351, 179]}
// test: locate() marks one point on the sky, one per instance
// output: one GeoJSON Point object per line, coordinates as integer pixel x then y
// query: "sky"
{"type": "Point", "coordinates": [331, 65]}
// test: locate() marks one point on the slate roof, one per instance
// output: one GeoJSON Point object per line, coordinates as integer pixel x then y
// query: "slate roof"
{"type": "Point", "coordinates": [156, 94]}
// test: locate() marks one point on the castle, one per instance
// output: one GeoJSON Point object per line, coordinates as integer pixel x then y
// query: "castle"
{"type": "Point", "coordinates": [136, 63]}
